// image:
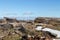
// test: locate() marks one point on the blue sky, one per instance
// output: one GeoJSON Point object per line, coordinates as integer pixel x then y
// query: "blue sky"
{"type": "Point", "coordinates": [30, 8]}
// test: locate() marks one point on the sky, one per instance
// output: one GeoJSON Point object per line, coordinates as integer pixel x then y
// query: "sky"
{"type": "Point", "coordinates": [29, 8]}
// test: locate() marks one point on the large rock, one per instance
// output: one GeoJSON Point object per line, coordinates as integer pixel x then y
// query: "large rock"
{"type": "Point", "coordinates": [20, 28]}
{"type": "Point", "coordinates": [6, 26]}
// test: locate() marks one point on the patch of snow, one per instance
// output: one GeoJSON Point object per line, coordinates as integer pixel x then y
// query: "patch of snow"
{"type": "Point", "coordinates": [39, 28]}
{"type": "Point", "coordinates": [29, 36]}
{"type": "Point", "coordinates": [52, 31]}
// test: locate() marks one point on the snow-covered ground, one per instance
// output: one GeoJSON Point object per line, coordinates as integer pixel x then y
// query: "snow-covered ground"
{"type": "Point", "coordinates": [52, 31]}
{"type": "Point", "coordinates": [39, 28]}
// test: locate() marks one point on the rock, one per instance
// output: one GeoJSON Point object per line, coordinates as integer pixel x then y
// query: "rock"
{"type": "Point", "coordinates": [6, 26]}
